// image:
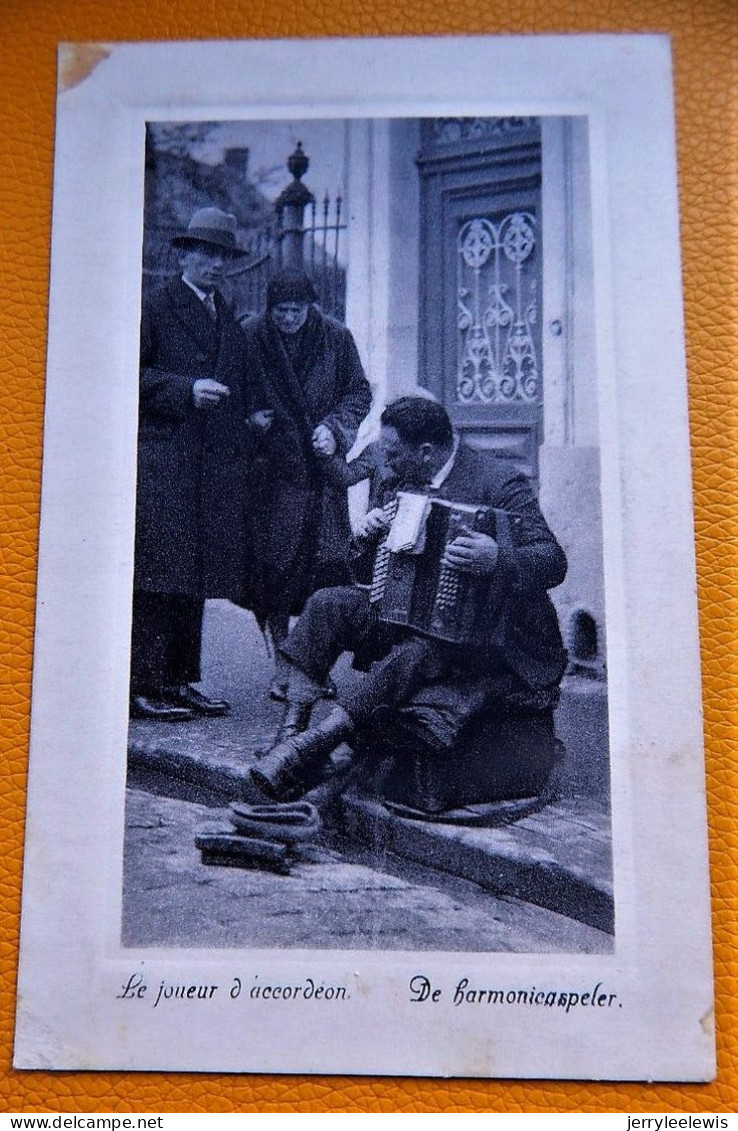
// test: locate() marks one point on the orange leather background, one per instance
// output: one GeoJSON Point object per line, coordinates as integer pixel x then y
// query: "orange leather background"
{"type": "Point", "coordinates": [705, 45]}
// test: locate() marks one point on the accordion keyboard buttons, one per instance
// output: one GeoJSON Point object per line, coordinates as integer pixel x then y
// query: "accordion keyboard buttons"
{"type": "Point", "coordinates": [382, 558]}
{"type": "Point", "coordinates": [448, 589]}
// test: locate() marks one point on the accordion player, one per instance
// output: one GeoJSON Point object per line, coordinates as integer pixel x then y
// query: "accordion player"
{"type": "Point", "coordinates": [411, 584]}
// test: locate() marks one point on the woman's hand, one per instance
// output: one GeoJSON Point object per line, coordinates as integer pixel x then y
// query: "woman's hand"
{"type": "Point", "coordinates": [263, 419]}
{"type": "Point", "coordinates": [324, 442]}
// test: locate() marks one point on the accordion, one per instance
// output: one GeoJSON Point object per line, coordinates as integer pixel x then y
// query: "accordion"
{"type": "Point", "coordinates": [412, 587]}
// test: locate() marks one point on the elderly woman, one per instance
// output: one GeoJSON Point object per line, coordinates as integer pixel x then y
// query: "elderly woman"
{"type": "Point", "coordinates": [307, 369]}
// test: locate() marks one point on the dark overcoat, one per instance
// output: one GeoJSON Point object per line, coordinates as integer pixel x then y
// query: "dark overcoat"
{"type": "Point", "coordinates": [192, 462]}
{"type": "Point", "coordinates": [300, 522]}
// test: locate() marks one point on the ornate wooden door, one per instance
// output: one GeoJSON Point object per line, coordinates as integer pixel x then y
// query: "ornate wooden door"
{"type": "Point", "coordinates": [480, 279]}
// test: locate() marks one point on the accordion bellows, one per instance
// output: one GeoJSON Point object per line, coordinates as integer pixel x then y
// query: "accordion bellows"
{"type": "Point", "coordinates": [411, 586]}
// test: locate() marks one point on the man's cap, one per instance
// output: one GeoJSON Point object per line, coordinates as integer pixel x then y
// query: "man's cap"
{"type": "Point", "coordinates": [212, 227]}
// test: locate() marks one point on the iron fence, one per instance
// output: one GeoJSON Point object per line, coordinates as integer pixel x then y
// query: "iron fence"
{"type": "Point", "coordinates": [246, 280]}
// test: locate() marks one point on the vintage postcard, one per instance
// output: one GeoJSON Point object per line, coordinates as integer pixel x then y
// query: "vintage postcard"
{"type": "Point", "coordinates": [366, 712]}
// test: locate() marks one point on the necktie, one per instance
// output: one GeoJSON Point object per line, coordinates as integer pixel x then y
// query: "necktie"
{"type": "Point", "coordinates": [209, 304]}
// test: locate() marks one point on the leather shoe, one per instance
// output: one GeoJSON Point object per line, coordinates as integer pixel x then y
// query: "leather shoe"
{"type": "Point", "coordinates": [149, 707]}
{"type": "Point", "coordinates": [194, 700]}
{"type": "Point", "coordinates": [279, 690]}
{"type": "Point", "coordinates": [295, 720]}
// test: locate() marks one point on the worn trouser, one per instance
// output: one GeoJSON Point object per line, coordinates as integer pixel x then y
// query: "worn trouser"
{"type": "Point", "coordinates": [342, 620]}
{"type": "Point", "coordinates": [166, 641]}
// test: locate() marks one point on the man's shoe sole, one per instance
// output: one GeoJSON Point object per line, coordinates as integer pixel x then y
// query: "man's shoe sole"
{"type": "Point", "coordinates": [181, 716]}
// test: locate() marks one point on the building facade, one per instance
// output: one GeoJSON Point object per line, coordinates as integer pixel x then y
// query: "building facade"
{"type": "Point", "coordinates": [471, 275]}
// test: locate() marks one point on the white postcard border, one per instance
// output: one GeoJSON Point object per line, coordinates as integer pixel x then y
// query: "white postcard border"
{"type": "Point", "coordinates": [72, 967]}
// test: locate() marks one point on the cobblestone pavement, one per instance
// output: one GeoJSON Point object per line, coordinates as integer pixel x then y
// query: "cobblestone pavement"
{"type": "Point", "coordinates": [330, 900]}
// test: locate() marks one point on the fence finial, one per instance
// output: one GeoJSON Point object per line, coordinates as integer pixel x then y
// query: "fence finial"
{"type": "Point", "coordinates": [290, 207]}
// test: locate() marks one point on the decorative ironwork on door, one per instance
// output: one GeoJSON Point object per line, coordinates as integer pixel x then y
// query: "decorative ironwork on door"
{"type": "Point", "coordinates": [481, 259]}
{"type": "Point", "coordinates": [498, 307]}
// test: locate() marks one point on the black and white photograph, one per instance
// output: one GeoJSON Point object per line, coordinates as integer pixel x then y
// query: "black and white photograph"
{"type": "Point", "coordinates": [368, 673]}
{"type": "Point", "coordinates": [366, 732]}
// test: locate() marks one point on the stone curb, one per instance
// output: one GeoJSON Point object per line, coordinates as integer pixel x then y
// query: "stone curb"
{"type": "Point", "coordinates": [190, 777]}
{"type": "Point", "coordinates": [495, 858]}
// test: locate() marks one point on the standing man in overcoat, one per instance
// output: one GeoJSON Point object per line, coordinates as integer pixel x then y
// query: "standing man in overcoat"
{"type": "Point", "coordinates": [196, 431]}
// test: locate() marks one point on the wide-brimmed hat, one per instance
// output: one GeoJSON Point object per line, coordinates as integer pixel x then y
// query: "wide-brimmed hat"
{"type": "Point", "coordinates": [213, 227]}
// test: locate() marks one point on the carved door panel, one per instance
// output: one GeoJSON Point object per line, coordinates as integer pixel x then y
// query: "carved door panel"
{"type": "Point", "coordinates": [480, 321]}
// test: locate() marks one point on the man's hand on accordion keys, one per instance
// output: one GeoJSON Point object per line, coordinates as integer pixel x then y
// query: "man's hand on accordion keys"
{"type": "Point", "coordinates": [375, 522]}
{"type": "Point", "coordinates": [472, 552]}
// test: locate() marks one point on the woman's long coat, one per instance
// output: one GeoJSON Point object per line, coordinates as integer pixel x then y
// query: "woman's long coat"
{"type": "Point", "coordinates": [191, 528]}
{"type": "Point", "coordinates": [300, 525]}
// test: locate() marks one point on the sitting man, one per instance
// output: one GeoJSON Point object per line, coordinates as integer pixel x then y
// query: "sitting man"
{"type": "Point", "coordinates": [517, 659]}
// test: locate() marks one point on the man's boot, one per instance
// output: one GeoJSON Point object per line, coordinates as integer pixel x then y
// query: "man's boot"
{"type": "Point", "coordinates": [295, 719]}
{"type": "Point", "coordinates": [294, 767]}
